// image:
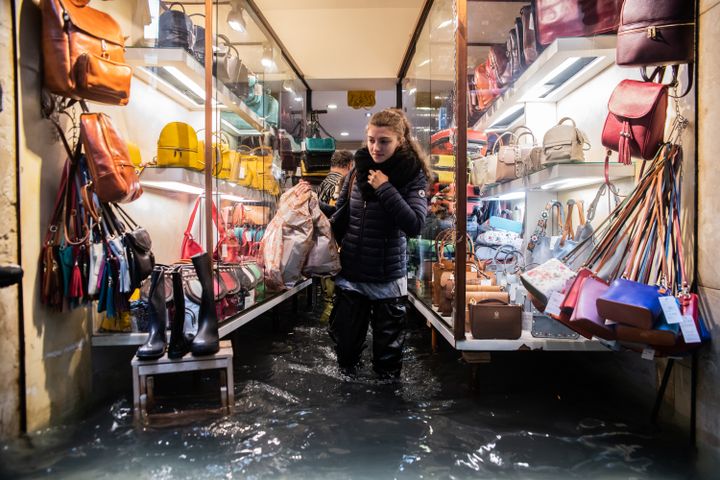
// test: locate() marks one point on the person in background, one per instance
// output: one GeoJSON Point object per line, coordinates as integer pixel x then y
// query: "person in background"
{"type": "Point", "coordinates": [387, 204]}
{"type": "Point", "coordinates": [340, 164]}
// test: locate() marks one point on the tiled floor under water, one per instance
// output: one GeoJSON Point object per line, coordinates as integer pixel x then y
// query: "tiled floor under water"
{"type": "Point", "coordinates": [525, 415]}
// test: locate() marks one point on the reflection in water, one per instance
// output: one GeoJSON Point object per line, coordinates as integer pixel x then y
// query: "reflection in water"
{"type": "Point", "coordinates": [526, 415]}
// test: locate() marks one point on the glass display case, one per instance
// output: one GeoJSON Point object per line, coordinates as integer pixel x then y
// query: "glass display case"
{"type": "Point", "coordinates": [480, 205]}
{"type": "Point", "coordinates": [215, 123]}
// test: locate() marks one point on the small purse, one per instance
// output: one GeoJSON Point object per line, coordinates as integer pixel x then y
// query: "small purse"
{"type": "Point", "coordinates": [585, 315]}
{"type": "Point", "coordinates": [631, 303]}
{"type": "Point", "coordinates": [564, 143]}
{"type": "Point", "coordinates": [492, 318]}
{"type": "Point", "coordinates": [635, 124]}
{"type": "Point", "coordinates": [543, 280]}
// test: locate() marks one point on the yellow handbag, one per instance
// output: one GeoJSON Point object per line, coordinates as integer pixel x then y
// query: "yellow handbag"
{"type": "Point", "coordinates": [134, 152]}
{"type": "Point", "coordinates": [221, 168]}
{"type": "Point", "coordinates": [246, 170]}
{"type": "Point", "coordinates": [264, 179]}
{"type": "Point", "coordinates": [236, 167]}
{"type": "Point", "coordinates": [178, 147]}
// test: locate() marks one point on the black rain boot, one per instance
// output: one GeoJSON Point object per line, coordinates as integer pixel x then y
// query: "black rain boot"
{"type": "Point", "coordinates": [348, 328]}
{"type": "Point", "coordinates": [179, 342]}
{"type": "Point", "coordinates": [207, 340]}
{"type": "Point", "coordinates": [388, 325]}
{"type": "Point", "coordinates": [154, 346]}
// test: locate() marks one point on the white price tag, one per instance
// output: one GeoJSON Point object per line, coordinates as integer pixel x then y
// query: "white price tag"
{"type": "Point", "coordinates": [648, 353]}
{"type": "Point", "coordinates": [298, 172]}
{"type": "Point", "coordinates": [513, 292]}
{"type": "Point", "coordinates": [553, 305]}
{"type": "Point", "coordinates": [250, 298]}
{"type": "Point", "coordinates": [485, 282]}
{"type": "Point", "coordinates": [671, 310]}
{"type": "Point", "coordinates": [241, 174]}
{"type": "Point", "coordinates": [553, 241]}
{"type": "Point", "coordinates": [688, 329]}
{"type": "Point", "coordinates": [224, 250]}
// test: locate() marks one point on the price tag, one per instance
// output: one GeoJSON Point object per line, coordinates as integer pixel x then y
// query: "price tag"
{"type": "Point", "coordinates": [671, 310]}
{"type": "Point", "coordinates": [513, 292]}
{"type": "Point", "coordinates": [485, 282]}
{"type": "Point", "coordinates": [688, 329]}
{"type": "Point", "coordinates": [553, 241]}
{"type": "Point", "coordinates": [241, 173]}
{"type": "Point", "coordinates": [648, 353]}
{"type": "Point", "coordinates": [298, 172]}
{"type": "Point", "coordinates": [553, 305]}
{"type": "Point", "coordinates": [224, 250]}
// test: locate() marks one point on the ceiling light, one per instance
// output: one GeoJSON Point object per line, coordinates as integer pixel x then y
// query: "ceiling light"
{"type": "Point", "coordinates": [331, 106]}
{"type": "Point", "coordinates": [568, 183]}
{"type": "Point", "coordinates": [424, 62]}
{"type": "Point", "coordinates": [512, 196]}
{"type": "Point", "coordinates": [344, 134]}
{"type": "Point", "coordinates": [232, 198]}
{"type": "Point", "coordinates": [288, 86]}
{"type": "Point", "coordinates": [267, 56]}
{"type": "Point", "coordinates": [235, 17]}
{"type": "Point", "coordinates": [368, 114]}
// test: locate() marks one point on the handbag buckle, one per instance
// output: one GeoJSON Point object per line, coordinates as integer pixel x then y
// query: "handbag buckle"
{"type": "Point", "coordinates": [652, 33]}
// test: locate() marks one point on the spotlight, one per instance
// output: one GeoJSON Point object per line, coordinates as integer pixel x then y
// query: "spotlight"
{"type": "Point", "coordinates": [267, 56]}
{"type": "Point", "coordinates": [235, 17]}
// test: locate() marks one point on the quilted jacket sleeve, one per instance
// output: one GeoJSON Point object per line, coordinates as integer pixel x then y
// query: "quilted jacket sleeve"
{"type": "Point", "coordinates": [408, 210]}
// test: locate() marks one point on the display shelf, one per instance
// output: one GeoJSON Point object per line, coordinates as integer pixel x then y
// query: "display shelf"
{"type": "Point", "coordinates": [225, 328]}
{"type": "Point", "coordinates": [186, 70]}
{"type": "Point", "coordinates": [193, 182]}
{"type": "Point", "coordinates": [526, 341]}
{"type": "Point", "coordinates": [545, 79]}
{"type": "Point", "coordinates": [562, 176]}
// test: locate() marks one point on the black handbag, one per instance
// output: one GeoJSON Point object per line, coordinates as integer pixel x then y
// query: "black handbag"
{"type": "Point", "coordinates": [138, 245]}
{"type": "Point", "coordinates": [175, 29]}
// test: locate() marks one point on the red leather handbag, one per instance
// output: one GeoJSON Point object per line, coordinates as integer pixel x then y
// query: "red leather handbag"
{"type": "Point", "coordinates": [576, 18]}
{"type": "Point", "coordinates": [190, 247]}
{"type": "Point", "coordinates": [655, 32]}
{"type": "Point", "coordinates": [635, 123]}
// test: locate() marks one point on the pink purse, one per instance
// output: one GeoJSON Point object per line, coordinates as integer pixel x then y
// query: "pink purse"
{"type": "Point", "coordinates": [585, 314]}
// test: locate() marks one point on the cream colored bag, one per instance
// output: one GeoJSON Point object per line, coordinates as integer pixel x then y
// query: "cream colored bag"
{"type": "Point", "coordinates": [564, 144]}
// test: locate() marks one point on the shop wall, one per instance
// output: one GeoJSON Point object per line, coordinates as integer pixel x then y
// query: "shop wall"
{"type": "Point", "coordinates": [708, 401]}
{"type": "Point", "coordinates": [56, 343]}
{"type": "Point", "coordinates": [9, 297]}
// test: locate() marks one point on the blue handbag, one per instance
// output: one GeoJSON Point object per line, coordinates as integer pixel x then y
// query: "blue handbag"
{"type": "Point", "coordinates": [631, 303]}
{"type": "Point", "coordinates": [500, 223]}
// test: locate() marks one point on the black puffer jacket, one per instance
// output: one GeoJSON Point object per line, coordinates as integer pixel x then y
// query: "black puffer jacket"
{"type": "Point", "coordinates": [374, 246]}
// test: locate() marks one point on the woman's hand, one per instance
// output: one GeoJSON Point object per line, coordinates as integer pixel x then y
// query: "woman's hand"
{"type": "Point", "coordinates": [377, 178]}
{"type": "Point", "coordinates": [302, 188]}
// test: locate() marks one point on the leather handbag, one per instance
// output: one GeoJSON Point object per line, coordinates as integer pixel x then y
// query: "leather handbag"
{"type": "Point", "coordinates": [585, 315]}
{"type": "Point", "coordinates": [632, 303]}
{"type": "Point", "coordinates": [485, 94]}
{"type": "Point", "coordinates": [84, 53]}
{"type": "Point", "coordinates": [495, 319]}
{"type": "Point", "coordinates": [515, 50]}
{"type": "Point", "coordinates": [576, 18]}
{"type": "Point", "coordinates": [175, 28]}
{"type": "Point", "coordinates": [113, 175]}
{"type": "Point", "coordinates": [198, 48]}
{"type": "Point", "coordinates": [662, 335]}
{"type": "Point", "coordinates": [138, 249]}
{"type": "Point", "coordinates": [531, 46]}
{"type": "Point", "coordinates": [635, 124]}
{"type": "Point", "coordinates": [177, 146]}
{"type": "Point", "coordinates": [498, 67]}
{"type": "Point", "coordinates": [227, 64]}
{"type": "Point", "coordinates": [564, 143]}
{"type": "Point", "coordinates": [656, 33]}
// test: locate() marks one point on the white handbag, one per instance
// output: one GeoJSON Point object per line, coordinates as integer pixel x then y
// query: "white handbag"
{"type": "Point", "coordinates": [564, 144]}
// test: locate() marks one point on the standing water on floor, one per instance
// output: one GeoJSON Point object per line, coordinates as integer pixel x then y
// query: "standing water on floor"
{"type": "Point", "coordinates": [525, 415]}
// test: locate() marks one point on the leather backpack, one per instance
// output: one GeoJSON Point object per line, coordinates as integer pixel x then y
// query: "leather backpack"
{"type": "Point", "coordinates": [175, 29]}
{"type": "Point", "coordinates": [113, 175]}
{"type": "Point", "coordinates": [498, 67]}
{"type": "Point", "coordinates": [83, 53]}
{"type": "Point", "coordinates": [177, 146]}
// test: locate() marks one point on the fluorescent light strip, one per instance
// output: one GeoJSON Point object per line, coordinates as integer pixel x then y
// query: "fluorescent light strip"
{"type": "Point", "coordinates": [185, 80]}
{"type": "Point", "coordinates": [172, 186]}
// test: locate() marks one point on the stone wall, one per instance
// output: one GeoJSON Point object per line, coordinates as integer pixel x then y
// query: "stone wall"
{"type": "Point", "coordinates": [9, 311]}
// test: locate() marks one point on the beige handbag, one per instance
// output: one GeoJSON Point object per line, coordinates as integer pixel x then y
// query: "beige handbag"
{"type": "Point", "coordinates": [530, 154]}
{"type": "Point", "coordinates": [509, 161]}
{"type": "Point", "coordinates": [564, 144]}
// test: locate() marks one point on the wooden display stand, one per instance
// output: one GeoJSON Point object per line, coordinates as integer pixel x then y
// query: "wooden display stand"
{"type": "Point", "coordinates": [144, 370]}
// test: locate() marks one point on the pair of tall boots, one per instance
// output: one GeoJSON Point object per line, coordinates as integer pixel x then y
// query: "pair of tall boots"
{"type": "Point", "coordinates": [206, 341]}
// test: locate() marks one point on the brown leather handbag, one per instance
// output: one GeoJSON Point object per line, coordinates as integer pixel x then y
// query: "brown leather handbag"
{"type": "Point", "coordinates": [576, 18]}
{"type": "Point", "coordinates": [84, 53]}
{"type": "Point", "coordinates": [492, 318]}
{"type": "Point", "coordinates": [498, 67]}
{"type": "Point", "coordinates": [113, 175]}
{"type": "Point", "coordinates": [656, 32]}
{"type": "Point", "coordinates": [635, 124]}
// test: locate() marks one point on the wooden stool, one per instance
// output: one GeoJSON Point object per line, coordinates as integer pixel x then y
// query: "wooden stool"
{"type": "Point", "coordinates": [143, 371]}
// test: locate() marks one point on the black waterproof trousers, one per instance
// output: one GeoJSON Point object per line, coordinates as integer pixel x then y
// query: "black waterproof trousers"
{"type": "Point", "coordinates": [349, 320]}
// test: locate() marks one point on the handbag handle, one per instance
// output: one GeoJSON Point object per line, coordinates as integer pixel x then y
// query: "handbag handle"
{"type": "Point", "coordinates": [487, 301]}
{"type": "Point", "coordinates": [226, 41]}
{"type": "Point", "coordinates": [564, 119]}
{"type": "Point", "coordinates": [498, 141]}
{"type": "Point", "coordinates": [268, 150]}
{"type": "Point", "coordinates": [179, 4]}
